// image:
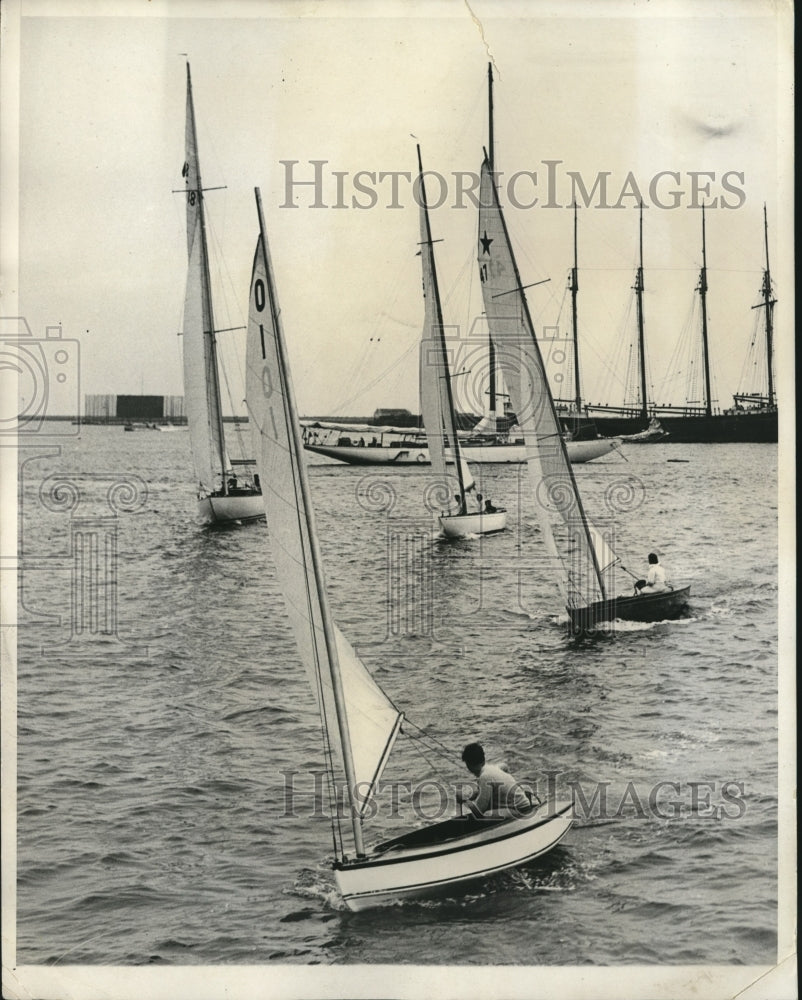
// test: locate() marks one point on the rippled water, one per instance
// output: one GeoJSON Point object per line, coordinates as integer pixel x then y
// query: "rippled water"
{"type": "Point", "coordinates": [155, 818]}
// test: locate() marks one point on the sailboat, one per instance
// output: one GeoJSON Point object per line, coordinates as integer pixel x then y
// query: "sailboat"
{"type": "Point", "coordinates": [359, 721]}
{"type": "Point", "coordinates": [223, 495]}
{"type": "Point", "coordinates": [580, 552]}
{"type": "Point", "coordinates": [437, 403]}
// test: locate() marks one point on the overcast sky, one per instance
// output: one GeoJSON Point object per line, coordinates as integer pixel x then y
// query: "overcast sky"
{"type": "Point", "coordinates": [618, 88]}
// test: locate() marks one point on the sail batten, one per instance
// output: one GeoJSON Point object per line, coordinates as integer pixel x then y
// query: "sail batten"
{"type": "Point", "coordinates": [360, 720]}
{"type": "Point", "coordinates": [563, 522]}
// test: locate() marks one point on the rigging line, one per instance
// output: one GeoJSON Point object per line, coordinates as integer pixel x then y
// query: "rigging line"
{"type": "Point", "coordinates": [445, 751]}
{"type": "Point", "coordinates": [433, 767]}
{"type": "Point", "coordinates": [366, 388]}
{"type": "Point", "coordinates": [223, 276]}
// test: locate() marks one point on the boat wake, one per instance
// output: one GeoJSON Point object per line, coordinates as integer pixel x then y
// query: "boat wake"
{"type": "Point", "coordinates": [619, 625]}
{"type": "Point", "coordinates": [318, 885]}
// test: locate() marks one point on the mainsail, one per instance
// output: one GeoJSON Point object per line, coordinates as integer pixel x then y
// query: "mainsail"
{"type": "Point", "coordinates": [436, 397]}
{"type": "Point", "coordinates": [568, 535]}
{"type": "Point", "coordinates": [201, 381]}
{"type": "Point", "coordinates": [360, 722]}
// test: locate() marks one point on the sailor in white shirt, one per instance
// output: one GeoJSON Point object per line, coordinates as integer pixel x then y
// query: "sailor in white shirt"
{"type": "Point", "coordinates": [655, 582]}
{"type": "Point", "coordinates": [498, 793]}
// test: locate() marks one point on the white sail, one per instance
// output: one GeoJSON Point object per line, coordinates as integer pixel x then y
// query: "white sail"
{"type": "Point", "coordinates": [467, 476]}
{"type": "Point", "coordinates": [559, 508]}
{"type": "Point", "coordinates": [201, 382]}
{"type": "Point", "coordinates": [372, 721]}
{"type": "Point", "coordinates": [605, 557]}
{"type": "Point", "coordinates": [437, 402]}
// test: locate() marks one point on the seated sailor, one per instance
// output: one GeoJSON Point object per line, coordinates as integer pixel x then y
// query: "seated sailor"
{"type": "Point", "coordinates": [497, 793]}
{"type": "Point", "coordinates": [655, 582]}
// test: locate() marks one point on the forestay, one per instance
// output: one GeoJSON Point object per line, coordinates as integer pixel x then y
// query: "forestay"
{"type": "Point", "coordinates": [201, 383]}
{"type": "Point", "coordinates": [562, 519]}
{"type": "Point", "coordinates": [372, 721]}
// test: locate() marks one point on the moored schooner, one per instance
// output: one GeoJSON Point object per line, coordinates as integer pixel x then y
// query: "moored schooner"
{"type": "Point", "coordinates": [753, 416]}
{"type": "Point", "coordinates": [360, 723]}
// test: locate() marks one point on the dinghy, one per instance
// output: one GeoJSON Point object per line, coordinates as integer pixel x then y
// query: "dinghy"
{"type": "Point", "coordinates": [223, 495]}
{"type": "Point", "coordinates": [580, 553]}
{"type": "Point", "coordinates": [437, 406]}
{"type": "Point", "coordinates": [360, 723]}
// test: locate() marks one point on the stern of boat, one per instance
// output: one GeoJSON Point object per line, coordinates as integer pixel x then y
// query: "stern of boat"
{"type": "Point", "coordinates": [400, 872]}
{"type": "Point", "coordinates": [460, 525]}
{"type": "Point", "coordinates": [228, 508]}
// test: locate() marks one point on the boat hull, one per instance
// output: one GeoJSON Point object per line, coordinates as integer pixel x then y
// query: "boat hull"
{"type": "Point", "coordinates": [721, 428]}
{"type": "Point", "coordinates": [406, 872]}
{"type": "Point", "coordinates": [460, 525]}
{"type": "Point", "coordinates": [481, 454]}
{"type": "Point", "coordinates": [372, 454]}
{"type": "Point", "coordinates": [663, 606]}
{"type": "Point", "coordinates": [222, 509]}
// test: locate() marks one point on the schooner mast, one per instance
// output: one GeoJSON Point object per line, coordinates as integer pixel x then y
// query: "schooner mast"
{"type": "Point", "coordinates": [638, 286]}
{"type": "Point", "coordinates": [768, 304]}
{"type": "Point", "coordinates": [702, 289]}
{"type": "Point", "coordinates": [491, 347]}
{"type": "Point", "coordinates": [574, 286]}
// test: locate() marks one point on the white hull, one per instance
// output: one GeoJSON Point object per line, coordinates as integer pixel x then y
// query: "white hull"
{"type": "Point", "coordinates": [578, 452]}
{"type": "Point", "coordinates": [222, 509]}
{"type": "Point", "coordinates": [459, 525]}
{"type": "Point", "coordinates": [418, 871]}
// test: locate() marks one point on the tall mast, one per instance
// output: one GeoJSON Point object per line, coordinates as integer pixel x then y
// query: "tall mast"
{"type": "Point", "coordinates": [212, 374]}
{"type": "Point", "coordinates": [768, 302]}
{"type": "Point", "coordinates": [317, 561]}
{"type": "Point", "coordinates": [441, 339]}
{"type": "Point", "coordinates": [703, 297]}
{"type": "Point", "coordinates": [490, 154]}
{"type": "Point", "coordinates": [491, 347]}
{"type": "Point", "coordinates": [574, 290]}
{"type": "Point", "coordinates": [644, 410]}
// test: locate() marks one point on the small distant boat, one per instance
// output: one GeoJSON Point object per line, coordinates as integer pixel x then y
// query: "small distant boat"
{"type": "Point", "coordinates": [653, 433]}
{"type": "Point", "coordinates": [581, 555]}
{"type": "Point", "coordinates": [223, 496]}
{"type": "Point", "coordinates": [360, 723]}
{"type": "Point", "coordinates": [128, 427]}
{"type": "Point", "coordinates": [437, 405]}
